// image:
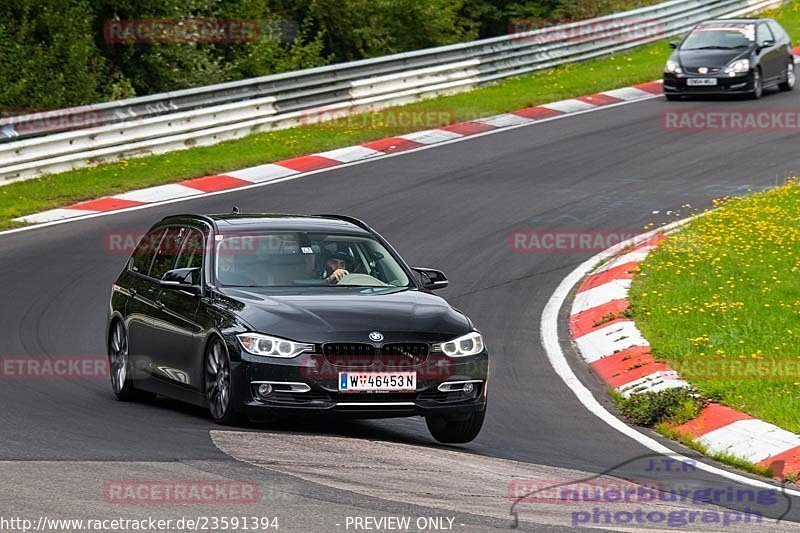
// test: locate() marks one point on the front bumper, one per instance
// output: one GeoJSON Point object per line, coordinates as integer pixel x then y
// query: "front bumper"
{"type": "Point", "coordinates": [315, 385]}
{"type": "Point", "coordinates": [677, 84]}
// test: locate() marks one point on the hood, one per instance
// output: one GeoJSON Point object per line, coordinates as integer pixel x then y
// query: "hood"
{"type": "Point", "coordinates": [400, 315]}
{"type": "Point", "coordinates": [710, 58]}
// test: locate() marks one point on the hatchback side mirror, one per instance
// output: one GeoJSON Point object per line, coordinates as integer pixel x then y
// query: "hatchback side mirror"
{"type": "Point", "coordinates": [766, 44]}
{"type": "Point", "coordinates": [184, 279]}
{"type": "Point", "coordinates": [431, 279]}
{"type": "Point", "coordinates": [674, 44]}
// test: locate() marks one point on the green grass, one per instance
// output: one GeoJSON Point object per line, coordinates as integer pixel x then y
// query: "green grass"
{"type": "Point", "coordinates": [671, 406]}
{"type": "Point", "coordinates": [639, 65]}
{"type": "Point", "coordinates": [720, 301]}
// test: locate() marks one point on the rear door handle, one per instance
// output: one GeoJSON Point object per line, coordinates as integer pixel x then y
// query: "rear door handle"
{"type": "Point", "coordinates": [160, 304]}
{"type": "Point", "coordinates": [132, 291]}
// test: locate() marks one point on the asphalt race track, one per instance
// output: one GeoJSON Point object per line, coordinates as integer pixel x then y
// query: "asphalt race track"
{"type": "Point", "coordinates": [450, 207]}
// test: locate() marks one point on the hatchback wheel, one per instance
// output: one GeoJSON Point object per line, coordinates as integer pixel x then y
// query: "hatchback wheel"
{"type": "Point", "coordinates": [219, 385]}
{"type": "Point", "coordinates": [791, 77]}
{"type": "Point", "coordinates": [451, 431]}
{"type": "Point", "coordinates": [758, 86]}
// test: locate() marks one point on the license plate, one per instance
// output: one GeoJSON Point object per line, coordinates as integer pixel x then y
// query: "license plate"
{"type": "Point", "coordinates": [377, 381]}
{"type": "Point", "coordinates": [703, 82]}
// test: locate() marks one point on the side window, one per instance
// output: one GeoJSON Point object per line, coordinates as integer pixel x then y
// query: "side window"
{"type": "Point", "coordinates": [764, 34]}
{"type": "Point", "coordinates": [167, 251]}
{"type": "Point", "coordinates": [145, 250]}
{"type": "Point", "coordinates": [777, 31]}
{"type": "Point", "coordinates": [191, 254]}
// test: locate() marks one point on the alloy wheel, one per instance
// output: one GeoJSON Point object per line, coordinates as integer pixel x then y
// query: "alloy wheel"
{"type": "Point", "coordinates": [119, 358]}
{"type": "Point", "coordinates": [758, 88]}
{"type": "Point", "coordinates": [218, 380]}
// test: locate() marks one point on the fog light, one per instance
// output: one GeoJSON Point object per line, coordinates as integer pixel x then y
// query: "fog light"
{"type": "Point", "coordinates": [467, 388]}
{"type": "Point", "coordinates": [264, 390]}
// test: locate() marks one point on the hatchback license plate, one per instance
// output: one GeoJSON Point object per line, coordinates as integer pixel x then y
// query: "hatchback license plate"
{"type": "Point", "coordinates": [377, 381]}
{"type": "Point", "coordinates": [703, 82]}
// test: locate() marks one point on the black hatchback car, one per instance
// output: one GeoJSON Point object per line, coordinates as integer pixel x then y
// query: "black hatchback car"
{"type": "Point", "coordinates": [259, 316]}
{"type": "Point", "coordinates": [730, 56]}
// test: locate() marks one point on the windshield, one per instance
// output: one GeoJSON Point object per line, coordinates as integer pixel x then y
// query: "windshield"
{"type": "Point", "coordinates": [722, 37]}
{"type": "Point", "coordinates": [301, 259]}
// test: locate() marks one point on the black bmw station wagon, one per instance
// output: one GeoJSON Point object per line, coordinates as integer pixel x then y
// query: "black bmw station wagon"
{"type": "Point", "coordinates": [258, 316]}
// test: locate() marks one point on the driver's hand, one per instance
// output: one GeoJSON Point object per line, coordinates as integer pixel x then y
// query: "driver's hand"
{"type": "Point", "coordinates": [337, 275]}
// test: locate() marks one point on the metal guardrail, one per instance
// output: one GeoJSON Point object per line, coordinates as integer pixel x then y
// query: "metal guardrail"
{"type": "Point", "coordinates": [207, 115]}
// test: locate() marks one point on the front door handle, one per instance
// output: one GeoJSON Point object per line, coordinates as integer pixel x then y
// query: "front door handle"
{"type": "Point", "coordinates": [132, 291]}
{"type": "Point", "coordinates": [160, 304]}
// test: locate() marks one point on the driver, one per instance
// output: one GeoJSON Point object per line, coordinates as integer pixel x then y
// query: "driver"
{"type": "Point", "coordinates": [336, 267]}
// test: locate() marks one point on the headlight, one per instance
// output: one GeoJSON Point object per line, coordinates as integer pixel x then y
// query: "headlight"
{"type": "Point", "coordinates": [672, 67]}
{"type": "Point", "coordinates": [258, 344]}
{"type": "Point", "coordinates": [469, 344]}
{"type": "Point", "coordinates": [738, 67]}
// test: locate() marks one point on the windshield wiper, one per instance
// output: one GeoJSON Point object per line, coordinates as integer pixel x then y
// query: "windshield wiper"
{"type": "Point", "coordinates": [715, 47]}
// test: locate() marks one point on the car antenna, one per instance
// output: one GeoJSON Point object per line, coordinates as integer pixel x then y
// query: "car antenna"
{"type": "Point", "coordinates": [235, 210]}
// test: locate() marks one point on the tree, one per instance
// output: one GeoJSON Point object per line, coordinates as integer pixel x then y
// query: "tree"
{"type": "Point", "coordinates": [48, 58]}
{"type": "Point", "coordinates": [356, 29]}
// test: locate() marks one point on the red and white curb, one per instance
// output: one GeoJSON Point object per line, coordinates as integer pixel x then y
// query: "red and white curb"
{"type": "Point", "coordinates": [615, 349]}
{"type": "Point", "coordinates": [298, 166]}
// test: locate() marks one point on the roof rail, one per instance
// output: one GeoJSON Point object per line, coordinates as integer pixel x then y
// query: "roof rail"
{"type": "Point", "coordinates": [353, 220]}
{"type": "Point", "coordinates": [204, 218]}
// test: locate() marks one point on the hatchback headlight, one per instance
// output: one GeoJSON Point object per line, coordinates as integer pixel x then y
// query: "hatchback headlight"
{"type": "Point", "coordinates": [469, 344]}
{"type": "Point", "coordinates": [672, 67]}
{"type": "Point", "coordinates": [258, 344]}
{"type": "Point", "coordinates": [738, 67]}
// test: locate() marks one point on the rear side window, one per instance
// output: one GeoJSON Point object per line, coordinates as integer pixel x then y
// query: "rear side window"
{"type": "Point", "coordinates": [191, 254]}
{"type": "Point", "coordinates": [764, 34]}
{"type": "Point", "coordinates": [167, 251]}
{"type": "Point", "coordinates": [777, 31]}
{"type": "Point", "coordinates": [145, 251]}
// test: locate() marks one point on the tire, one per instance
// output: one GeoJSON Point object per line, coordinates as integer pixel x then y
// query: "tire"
{"type": "Point", "coordinates": [451, 431]}
{"type": "Point", "coordinates": [791, 77]}
{"type": "Point", "coordinates": [673, 97]}
{"type": "Point", "coordinates": [218, 383]}
{"type": "Point", "coordinates": [758, 86]}
{"type": "Point", "coordinates": [119, 363]}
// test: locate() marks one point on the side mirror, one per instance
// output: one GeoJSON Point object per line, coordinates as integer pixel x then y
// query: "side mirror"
{"type": "Point", "coordinates": [431, 279]}
{"type": "Point", "coordinates": [184, 279]}
{"type": "Point", "coordinates": [766, 44]}
{"type": "Point", "coordinates": [674, 44]}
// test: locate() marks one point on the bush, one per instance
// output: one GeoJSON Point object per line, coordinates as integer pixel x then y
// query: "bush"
{"type": "Point", "coordinates": [47, 55]}
{"type": "Point", "coordinates": [673, 406]}
{"type": "Point", "coordinates": [356, 29]}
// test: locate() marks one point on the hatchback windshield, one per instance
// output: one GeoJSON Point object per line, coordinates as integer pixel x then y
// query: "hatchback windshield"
{"type": "Point", "coordinates": [722, 37]}
{"type": "Point", "coordinates": [296, 259]}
